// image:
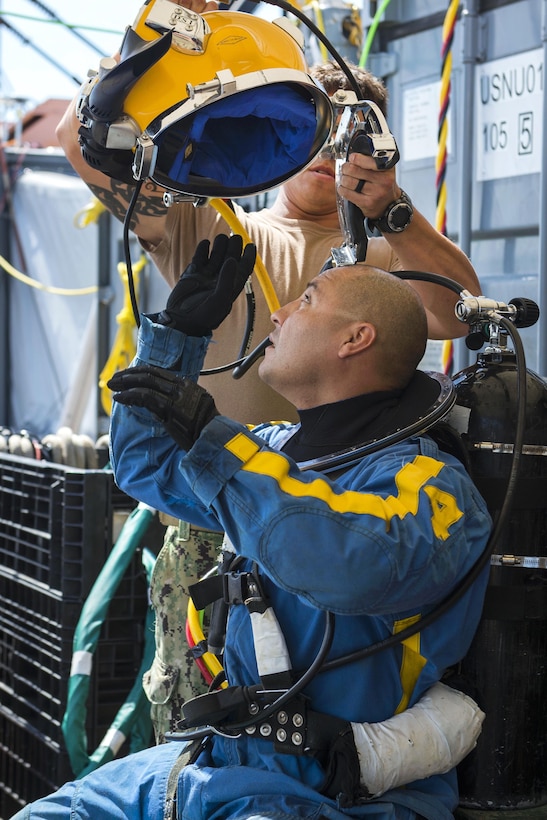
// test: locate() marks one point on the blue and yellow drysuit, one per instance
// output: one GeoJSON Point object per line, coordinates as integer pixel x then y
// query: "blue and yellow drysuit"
{"type": "Point", "coordinates": [380, 545]}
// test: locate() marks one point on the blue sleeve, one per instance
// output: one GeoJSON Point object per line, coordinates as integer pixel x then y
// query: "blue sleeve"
{"type": "Point", "coordinates": [169, 348]}
{"type": "Point", "coordinates": [144, 457]}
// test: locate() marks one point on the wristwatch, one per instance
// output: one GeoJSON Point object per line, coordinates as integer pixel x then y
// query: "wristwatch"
{"type": "Point", "coordinates": [396, 217]}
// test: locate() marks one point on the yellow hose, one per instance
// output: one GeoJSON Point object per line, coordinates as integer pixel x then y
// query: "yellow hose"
{"type": "Point", "coordinates": [123, 349]}
{"type": "Point", "coordinates": [26, 280]}
{"type": "Point", "coordinates": [210, 660]}
{"type": "Point", "coordinates": [262, 275]}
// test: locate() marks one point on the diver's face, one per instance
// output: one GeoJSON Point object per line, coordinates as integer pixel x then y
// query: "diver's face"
{"type": "Point", "coordinates": [305, 342]}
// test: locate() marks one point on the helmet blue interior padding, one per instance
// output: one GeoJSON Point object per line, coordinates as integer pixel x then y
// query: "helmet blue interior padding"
{"type": "Point", "coordinates": [219, 142]}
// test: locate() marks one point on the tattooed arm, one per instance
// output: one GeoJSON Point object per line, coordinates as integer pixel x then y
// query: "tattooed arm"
{"type": "Point", "coordinates": [150, 214]}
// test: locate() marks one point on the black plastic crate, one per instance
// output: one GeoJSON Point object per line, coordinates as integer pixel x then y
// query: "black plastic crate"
{"type": "Point", "coordinates": [36, 654]}
{"type": "Point", "coordinates": [55, 524]}
{"type": "Point", "coordinates": [36, 632]}
{"type": "Point", "coordinates": [56, 531]}
{"type": "Point", "coordinates": [31, 764]}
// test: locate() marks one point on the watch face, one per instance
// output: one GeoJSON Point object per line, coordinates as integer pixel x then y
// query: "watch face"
{"type": "Point", "coordinates": [399, 217]}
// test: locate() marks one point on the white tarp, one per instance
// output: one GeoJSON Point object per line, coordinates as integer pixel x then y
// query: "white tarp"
{"type": "Point", "coordinates": [52, 337]}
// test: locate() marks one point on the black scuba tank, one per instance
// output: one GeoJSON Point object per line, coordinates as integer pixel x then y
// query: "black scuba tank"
{"type": "Point", "coordinates": [506, 664]}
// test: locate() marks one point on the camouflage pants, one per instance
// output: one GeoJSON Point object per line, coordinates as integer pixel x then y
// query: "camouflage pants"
{"type": "Point", "coordinates": [174, 677]}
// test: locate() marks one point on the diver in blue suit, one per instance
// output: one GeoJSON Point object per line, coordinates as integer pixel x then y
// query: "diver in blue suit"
{"type": "Point", "coordinates": [320, 562]}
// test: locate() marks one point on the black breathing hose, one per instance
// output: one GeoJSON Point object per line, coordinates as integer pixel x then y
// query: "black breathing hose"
{"type": "Point", "coordinates": [127, 252]}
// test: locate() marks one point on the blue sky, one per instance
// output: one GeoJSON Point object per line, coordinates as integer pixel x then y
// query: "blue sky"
{"type": "Point", "coordinates": [44, 68]}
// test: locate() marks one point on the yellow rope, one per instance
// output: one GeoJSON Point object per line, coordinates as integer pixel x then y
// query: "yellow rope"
{"type": "Point", "coordinates": [89, 214]}
{"type": "Point", "coordinates": [26, 280]}
{"type": "Point", "coordinates": [316, 9]}
{"type": "Point", "coordinates": [449, 25]}
{"type": "Point", "coordinates": [123, 349]}
{"type": "Point", "coordinates": [262, 275]}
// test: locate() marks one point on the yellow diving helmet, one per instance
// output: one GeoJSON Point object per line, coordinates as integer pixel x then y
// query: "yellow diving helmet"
{"type": "Point", "coordinates": [218, 104]}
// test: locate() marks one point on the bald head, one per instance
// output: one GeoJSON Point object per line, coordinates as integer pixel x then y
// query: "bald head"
{"type": "Point", "coordinates": [397, 314]}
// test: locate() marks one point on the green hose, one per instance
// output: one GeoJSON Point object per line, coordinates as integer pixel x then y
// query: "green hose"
{"type": "Point", "coordinates": [134, 713]}
{"type": "Point", "coordinates": [371, 33]}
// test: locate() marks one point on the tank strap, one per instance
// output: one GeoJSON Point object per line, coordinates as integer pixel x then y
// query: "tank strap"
{"type": "Point", "coordinates": [188, 755]}
{"type": "Point", "coordinates": [297, 730]}
{"type": "Point", "coordinates": [230, 587]}
{"type": "Point", "coordinates": [233, 587]}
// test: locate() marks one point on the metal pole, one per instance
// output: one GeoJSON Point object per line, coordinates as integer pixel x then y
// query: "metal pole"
{"type": "Point", "coordinates": [4, 321]}
{"type": "Point", "coordinates": [468, 22]}
{"type": "Point", "coordinates": [542, 253]}
{"type": "Point", "coordinates": [103, 316]}
{"type": "Point", "coordinates": [4, 296]}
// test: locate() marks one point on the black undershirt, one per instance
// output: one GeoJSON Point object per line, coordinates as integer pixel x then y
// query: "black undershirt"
{"type": "Point", "coordinates": [332, 427]}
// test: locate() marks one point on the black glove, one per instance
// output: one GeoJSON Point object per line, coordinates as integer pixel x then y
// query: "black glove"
{"type": "Point", "coordinates": [204, 295]}
{"type": "Point", "coordinates": [182, 405]}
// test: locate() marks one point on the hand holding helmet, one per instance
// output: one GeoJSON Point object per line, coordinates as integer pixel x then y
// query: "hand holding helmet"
{"type": "Point", "coordinates": [204, 295]}
{"type": "Point", "coordinates": [180, 404]}
{"type": "Point", "coordinates": [190, 138]}
{"type": "Point", "coordinates": [199, 6]}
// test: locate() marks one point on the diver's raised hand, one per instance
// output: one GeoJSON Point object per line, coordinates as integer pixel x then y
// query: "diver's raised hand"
{"type": "Point", "coordinates": [204, 295]}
